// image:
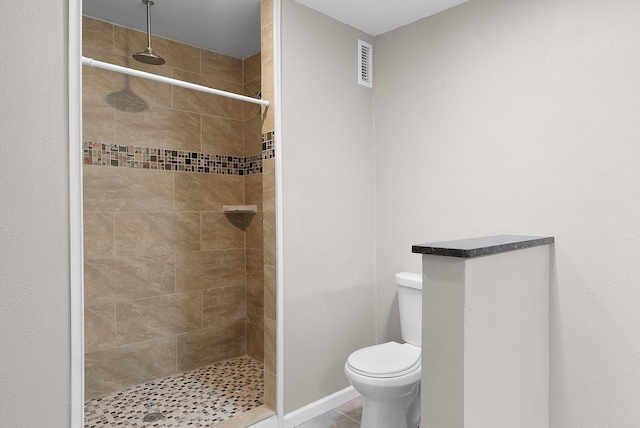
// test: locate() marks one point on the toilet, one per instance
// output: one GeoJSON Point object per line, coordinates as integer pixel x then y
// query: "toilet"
{"type": "Point", "coordinates": [388, 375]}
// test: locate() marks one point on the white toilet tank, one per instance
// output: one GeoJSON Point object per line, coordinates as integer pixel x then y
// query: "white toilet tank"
{"type": "Point", "coordinates": [410, 305]}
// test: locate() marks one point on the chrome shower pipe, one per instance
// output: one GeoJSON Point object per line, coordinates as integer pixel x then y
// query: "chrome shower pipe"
{"type": "Point", "coordinates": [150, 76]}
{"type": "Point", "coordinates": [148, 56]}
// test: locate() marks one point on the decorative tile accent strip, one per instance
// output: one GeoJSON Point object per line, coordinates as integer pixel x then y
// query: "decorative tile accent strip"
{"type": "Point", "coordinates": [268, 150]}
{"type": "Point", "coordinates": [253, 164]}
{"type": "Point", "coordinates": [201, 398]}
{"type": "Point", "coordinates": [177, 160]}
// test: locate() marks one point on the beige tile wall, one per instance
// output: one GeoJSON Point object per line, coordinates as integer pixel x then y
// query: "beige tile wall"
{"type": "Point", "coordinates": [253, 226]}
{"type": "Point", "coordinates": [171, 282]}
{"type": "Point", "coordinates": [269, 208]}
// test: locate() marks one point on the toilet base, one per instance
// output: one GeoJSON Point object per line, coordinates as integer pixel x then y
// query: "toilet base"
{"type": "Point", "coordinates": [391, 413]}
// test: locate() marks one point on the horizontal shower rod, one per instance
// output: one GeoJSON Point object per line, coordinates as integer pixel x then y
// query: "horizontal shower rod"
{"type": "Point", "coordinates": [137, 73]}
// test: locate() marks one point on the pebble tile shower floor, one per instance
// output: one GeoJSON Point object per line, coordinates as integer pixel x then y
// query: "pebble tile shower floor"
{"type": "Point", "coordinates": [200, 398]}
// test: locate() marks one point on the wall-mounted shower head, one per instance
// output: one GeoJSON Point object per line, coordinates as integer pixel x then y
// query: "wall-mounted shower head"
{"type": "Point", "coordinates": [148, 56]}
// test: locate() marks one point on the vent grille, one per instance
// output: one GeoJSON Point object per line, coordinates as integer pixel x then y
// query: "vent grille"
{"type": "Point", "coordinates": [365, 62]}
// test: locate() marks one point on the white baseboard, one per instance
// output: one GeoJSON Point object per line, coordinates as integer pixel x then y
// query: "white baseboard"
{"type": "Point", "coordinates": [270, 422]}
{"type": "Point", "coordinates": [319, 407]}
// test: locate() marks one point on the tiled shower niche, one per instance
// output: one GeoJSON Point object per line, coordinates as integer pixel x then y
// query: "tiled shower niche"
{"type": "Point", "coordinates": [171, 282]}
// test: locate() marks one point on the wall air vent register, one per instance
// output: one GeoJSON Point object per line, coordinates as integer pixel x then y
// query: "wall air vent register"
{"type": "Point", "coordinates": [365, 64]}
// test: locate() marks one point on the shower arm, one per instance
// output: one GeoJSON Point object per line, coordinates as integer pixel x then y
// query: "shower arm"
{"type": "Point", "coordinates": [149, 24]}
{"type": "Point", "coordinates": [137, 73]}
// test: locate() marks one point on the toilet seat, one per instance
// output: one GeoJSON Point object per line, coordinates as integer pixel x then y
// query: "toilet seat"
{"type": "Point", "coordinates": [386, 360]}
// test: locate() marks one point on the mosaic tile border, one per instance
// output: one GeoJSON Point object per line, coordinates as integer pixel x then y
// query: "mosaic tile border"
{"type": "Point", "coordinates": [177, 160]}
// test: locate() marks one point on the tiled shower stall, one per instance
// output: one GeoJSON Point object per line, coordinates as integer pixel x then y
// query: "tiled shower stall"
{"type": "Point", "coordinates": [171, 282]}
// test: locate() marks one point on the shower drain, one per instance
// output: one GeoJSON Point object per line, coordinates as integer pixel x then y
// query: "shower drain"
{"type": "Point", "coordinates": [152, 417]}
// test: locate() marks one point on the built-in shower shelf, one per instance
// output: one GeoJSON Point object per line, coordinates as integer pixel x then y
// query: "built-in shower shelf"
{"type": "Point", "coordinates": [240, 209]}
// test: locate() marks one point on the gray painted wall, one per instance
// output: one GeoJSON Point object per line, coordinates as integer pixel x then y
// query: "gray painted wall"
{"type": "Point", "coordinates": [503, 116]}
{"type": "Point", "coordinates": [34, 243]}
{"type": "Point", "coordinates": [328, 193]}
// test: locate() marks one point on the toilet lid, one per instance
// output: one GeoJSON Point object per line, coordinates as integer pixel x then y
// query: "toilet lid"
{"type": "Point", "coordinates": [389, 359]}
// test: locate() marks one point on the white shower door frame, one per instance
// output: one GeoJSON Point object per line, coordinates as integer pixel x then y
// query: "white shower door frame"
{"type": "Point", "coordinates": [76, 264]}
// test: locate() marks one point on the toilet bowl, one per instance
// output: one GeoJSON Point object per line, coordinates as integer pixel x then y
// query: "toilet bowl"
{"type": "Point", "coordinates": [388, 375]}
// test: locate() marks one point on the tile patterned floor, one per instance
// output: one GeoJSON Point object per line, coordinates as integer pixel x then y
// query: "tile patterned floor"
{"type": "Point", "coordinates": [200, 398]}
{"type": "Point", "coordinates": [347, 415]}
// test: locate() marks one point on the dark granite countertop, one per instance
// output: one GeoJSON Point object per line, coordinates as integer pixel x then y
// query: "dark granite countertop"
{"type": "Point", "coordinates": [476, 247]}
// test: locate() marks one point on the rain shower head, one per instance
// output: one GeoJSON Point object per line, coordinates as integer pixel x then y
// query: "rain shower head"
{"type": "Point", "coordinates": [148, 56]}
